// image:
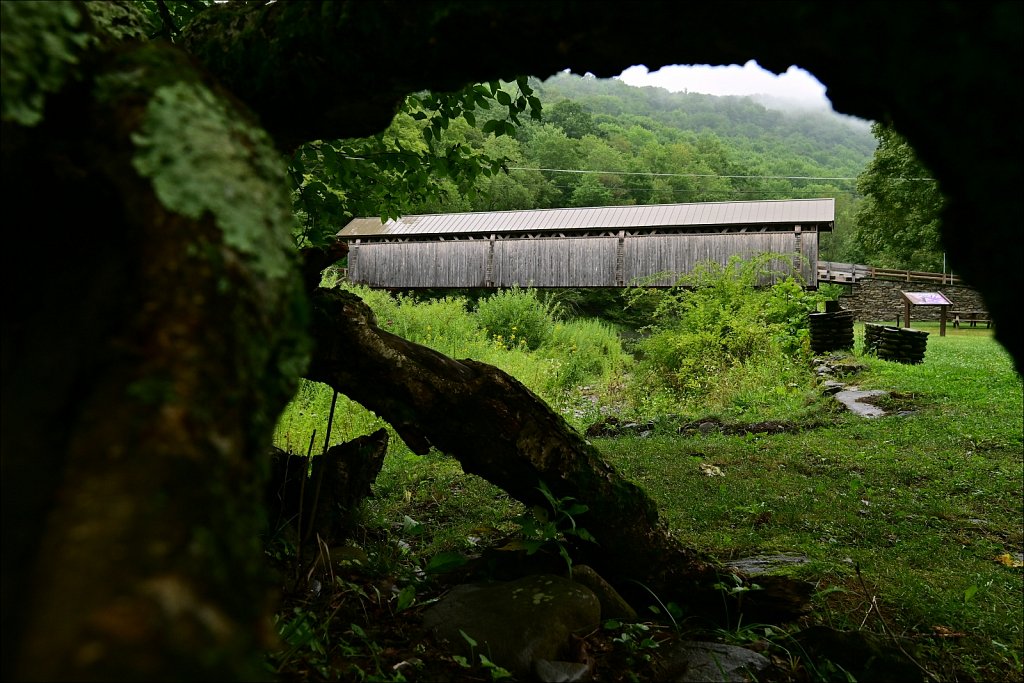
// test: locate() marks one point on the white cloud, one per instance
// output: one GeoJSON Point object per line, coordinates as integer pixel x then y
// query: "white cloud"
{"type": "Point", "coordinates": [795, 85]}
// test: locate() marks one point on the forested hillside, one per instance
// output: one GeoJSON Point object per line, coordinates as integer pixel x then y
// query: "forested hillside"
{"type": "Point", "coordinates": [603, 142]}
{"type": "Point", "coordinates": [797, 142]}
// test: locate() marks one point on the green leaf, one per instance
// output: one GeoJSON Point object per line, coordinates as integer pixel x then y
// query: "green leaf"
{"type": "Point", "coordinates": [445, 562]}
{"type": "Point", "coordinates": [532, 546]}
{"type": "Point", "coordinates": [467, 638]}
{"type": "Point", "coordinates": [576, 509]}
{"type": "Point", "coordinates": [540, 513]}
{"type": "Point", "coordinates": [406, 597]}
{"type": "Point", "coordinates": [585, 535]}
{"type": "Point", "coordinates": [470, 119]}
{"type": "Point", "coordinates": [411, 526]}
{"type": "Point", "coordinates": [503, 97]}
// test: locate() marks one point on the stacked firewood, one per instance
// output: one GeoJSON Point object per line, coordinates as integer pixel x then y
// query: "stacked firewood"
{"type": "Point", "coordinates": [895, 344]}
{"type": "Point", "coordinates": [831, 331]}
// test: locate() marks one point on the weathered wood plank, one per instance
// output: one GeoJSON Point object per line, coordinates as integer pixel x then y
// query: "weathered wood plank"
{"type": "Point", "coordinates": [571, 261]}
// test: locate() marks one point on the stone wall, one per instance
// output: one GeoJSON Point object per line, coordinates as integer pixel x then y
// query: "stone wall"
{"type": "Point", "coordinates": [873, 300]}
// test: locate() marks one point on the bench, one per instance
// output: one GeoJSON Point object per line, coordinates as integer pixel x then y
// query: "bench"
{"type": "Point", "coordinates": [970, 317]}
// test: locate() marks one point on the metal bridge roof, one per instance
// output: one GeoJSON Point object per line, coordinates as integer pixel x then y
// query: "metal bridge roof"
{"type": "Point", "coordinates": [782, 211]}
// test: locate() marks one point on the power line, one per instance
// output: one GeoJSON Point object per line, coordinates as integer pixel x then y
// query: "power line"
{"type": "Point", "coordinates": [683, 175]}
{"type": "Point", "coordinates": [723, 193]}
{"type": "Point", "coordinates": [691, 175]}
{"type": "Point", "coordinates": [701, 175]}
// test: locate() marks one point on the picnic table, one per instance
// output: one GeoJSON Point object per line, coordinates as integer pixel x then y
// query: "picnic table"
{"type": "Point", "coordinates": [972, 318]}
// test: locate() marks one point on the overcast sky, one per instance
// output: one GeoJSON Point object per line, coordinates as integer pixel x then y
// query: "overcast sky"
{"type": "Point", "coordinates": [750, 79]}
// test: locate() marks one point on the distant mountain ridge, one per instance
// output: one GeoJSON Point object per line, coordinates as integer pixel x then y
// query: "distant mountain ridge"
{"type": "Point", "coordinates": [757, 126]}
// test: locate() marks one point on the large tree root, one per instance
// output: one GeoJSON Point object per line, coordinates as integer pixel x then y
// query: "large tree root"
{"type": "Point", "coordinates": [500, 430]}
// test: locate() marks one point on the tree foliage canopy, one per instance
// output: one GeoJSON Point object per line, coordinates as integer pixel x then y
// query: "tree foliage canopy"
{"type": "Point", "coordinates": [898, 224]}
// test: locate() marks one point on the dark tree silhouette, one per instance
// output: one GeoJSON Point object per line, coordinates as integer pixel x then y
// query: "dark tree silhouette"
{"type": "Point", "coordinates": [160, 324]}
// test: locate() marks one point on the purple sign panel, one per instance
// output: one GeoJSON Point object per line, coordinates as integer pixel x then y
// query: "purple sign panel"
{"type": "Point", "coordinates": [926, 299]}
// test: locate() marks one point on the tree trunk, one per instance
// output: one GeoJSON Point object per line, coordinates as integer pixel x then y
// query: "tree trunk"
{"type": "Point", "coordinates": [146, 355]}
{"type": "Point", "coordinates": [501, 431]}
{"type": "Point", "coordinates": [321, 504]}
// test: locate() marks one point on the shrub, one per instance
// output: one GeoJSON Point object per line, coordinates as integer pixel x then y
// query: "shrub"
{"type": "Point", "coordinates": [517, 316]}
{"type": "Point", "coordinates": [444, 324]}
{"type": "Point", "coordinates": [584, 352]}
{"type": "Point", "coordinates": [716, 322]}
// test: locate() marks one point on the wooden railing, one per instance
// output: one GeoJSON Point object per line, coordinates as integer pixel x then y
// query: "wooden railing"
{"type": "Point", "coordinates": [831, 271]}
{"type": "Point", "coordinates": [914, 275]}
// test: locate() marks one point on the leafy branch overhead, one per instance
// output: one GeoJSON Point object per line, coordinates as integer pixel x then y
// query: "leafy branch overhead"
{"type": "Point", "coordinates": [410, 162]}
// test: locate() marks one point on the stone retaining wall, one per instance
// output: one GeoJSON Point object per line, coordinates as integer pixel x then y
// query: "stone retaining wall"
{"type": "Point", "coordinates": [873, 300]}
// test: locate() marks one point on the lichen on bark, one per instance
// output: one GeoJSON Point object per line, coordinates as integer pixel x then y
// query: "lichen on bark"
{"type": "Point", "coordinates": [224, 166]}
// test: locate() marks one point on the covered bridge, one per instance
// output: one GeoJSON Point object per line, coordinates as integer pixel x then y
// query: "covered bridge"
{"type": "Point", "coordinates": [610, 246]}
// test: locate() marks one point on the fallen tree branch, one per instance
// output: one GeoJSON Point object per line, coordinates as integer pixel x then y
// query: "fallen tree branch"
{"type": "Point", "coordinates": [500, 430]}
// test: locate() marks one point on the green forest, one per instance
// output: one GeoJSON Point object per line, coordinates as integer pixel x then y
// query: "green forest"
{"type": "Point", "coordinates": [601, 142]}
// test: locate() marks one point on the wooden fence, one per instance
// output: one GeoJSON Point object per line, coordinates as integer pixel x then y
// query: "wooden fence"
{"type": "Point", "coordinates": [833, 271]}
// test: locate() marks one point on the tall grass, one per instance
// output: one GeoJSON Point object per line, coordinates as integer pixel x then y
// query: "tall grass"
{"type": "Point", "coordinates": [569, 357]}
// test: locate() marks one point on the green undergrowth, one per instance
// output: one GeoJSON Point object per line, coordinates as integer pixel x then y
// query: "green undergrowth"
{"type": "Point", "coordinates": [910, 523]}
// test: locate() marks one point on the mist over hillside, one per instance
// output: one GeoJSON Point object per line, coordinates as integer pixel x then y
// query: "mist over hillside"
{"type": "Point", "coordinates": [756, 123]}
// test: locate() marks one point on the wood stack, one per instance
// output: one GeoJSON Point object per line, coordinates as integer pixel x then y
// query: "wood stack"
{"type": "Point", "coordinates": [895, 344]}
{"type": "Point", "coordinates": [831, 331]}
{"type": "Point", "coordinates": [873, 336]}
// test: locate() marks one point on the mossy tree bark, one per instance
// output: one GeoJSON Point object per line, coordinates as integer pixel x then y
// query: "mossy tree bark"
{"type": "Point", "coordinates": [145, 359]}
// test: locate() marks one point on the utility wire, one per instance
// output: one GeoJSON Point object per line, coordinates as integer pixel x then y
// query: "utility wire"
{"type": "Point", "coordinates": [699, 175]}
{"type": "Point", "coordinates": [680, 175]}
{"type": "Point", "coordinates": [676, 191]}
{"type": "Point", "coordinates": [687, 175]}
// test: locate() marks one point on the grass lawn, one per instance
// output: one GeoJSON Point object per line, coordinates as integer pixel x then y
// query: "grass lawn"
{"type": "Point", "coordinates": [927, 504]}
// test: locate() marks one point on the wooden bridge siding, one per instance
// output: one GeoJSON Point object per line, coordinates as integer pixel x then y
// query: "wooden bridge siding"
{"type": "Point", "coordinates": [569, 262]}
{"type": "Point", "coordinates": [809, 248]}
{"type": "Point", "coordinates": [566, 262]}
{"type": "Point", "coordinates": [421, 264]}
{"type": "Point", "coordinates": [650, 254]}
